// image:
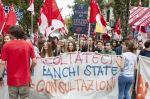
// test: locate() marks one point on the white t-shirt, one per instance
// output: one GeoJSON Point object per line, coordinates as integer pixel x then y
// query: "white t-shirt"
{"type": "Point", "coordinates": [130, 60]}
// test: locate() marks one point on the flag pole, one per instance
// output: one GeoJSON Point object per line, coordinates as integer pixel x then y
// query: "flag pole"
{"type": "Point", "coordinates": [2, 28]}
{"type": "Point", "coordinates": [88, 37]}
{"type": "Point", "coordinates": [31, 23]}
{"type": "Point", "coordinates": [78, 38]}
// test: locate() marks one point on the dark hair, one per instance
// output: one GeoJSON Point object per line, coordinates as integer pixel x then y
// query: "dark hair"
{"type": "Point", "coordinates": [99, 41]}
{"type": "Point", "coordinates": [147, 44]}
{"type": "Point", "coordinates": [131, 45]}
{"type": "Point", "coordinates": [106, 43]}
{"type": "Point", "coordinates": [139, 42]}
{"type": "Point", "coordinates": [17, 31]}
{"type": "Point", "coordinates": [125, 39]}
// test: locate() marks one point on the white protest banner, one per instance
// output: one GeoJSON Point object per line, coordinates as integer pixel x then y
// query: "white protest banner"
{"type": "Point", "coordinates": [75, 76]}
{"type": "Point", "coordinates": [143, 87]}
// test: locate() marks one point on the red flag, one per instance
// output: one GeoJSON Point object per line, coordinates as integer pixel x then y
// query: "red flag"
{"type": "Point", "coordinates": [96, 16]}
{"type": "Point", "coordinates": [141, 29]}
{"type": "Point", "coordinates": [117, 29]}
{"type": "Point", "coordinates": [84, 36]}
{"type": "Point", "coordinates": [10, 20]}
{"type": "Point", "coordinates": [31, 7]}
{"type": "Point", "coordinates": [51, 18]}
{"type": "Point", "coordinates": [2, 15]}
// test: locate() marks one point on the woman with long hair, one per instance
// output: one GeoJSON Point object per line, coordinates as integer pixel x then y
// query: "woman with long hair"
{"type": "Point", "coordinates": [81, 44]}
{"type": "Point", "coordinates": [127, 65]}
{"type": "Point", "coordinates": [71, 47]}
{"type": "Point", "coordinates": [46, 50]}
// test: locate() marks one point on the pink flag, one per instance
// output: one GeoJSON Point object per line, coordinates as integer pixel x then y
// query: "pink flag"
{"type": "Point", "coordinates": [96, 16]}
{"type": "Point", "coordinates": [10, 20]}
{"type": "Point", "coordinates": [31, 7]}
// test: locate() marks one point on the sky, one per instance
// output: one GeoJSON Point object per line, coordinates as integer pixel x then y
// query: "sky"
{"type": "Point", "coordinates": [63, 4]}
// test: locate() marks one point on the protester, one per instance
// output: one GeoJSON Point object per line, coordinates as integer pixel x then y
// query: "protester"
{"type": "Point", "coordinates": [121, 49]}
{"type": "Point", "coordinates": [99, 47]}
{"type": "Point", "coordinates": [146, 51]}
{"type": "Point", "coordinates": [54, 46]}
{"type": "Point", "coordinates": [71, 47]}
{"type": "Point", "coordinates": [77, 48]}
{"type": "Point", "coordinates": [17, 54]}
{"type": "Point", "coordinates": [91, 46]}
{"type": "Point", "coordinates": [41, 41]}
{"type": "Point", "coordinates": [140, 47]}
{"type": "Point", "coordinates": [107, 49]}
{"type": "Point", "coordinates": [46, 50]}
{"type": "Point", "coordinates": [61, 47]}
{"type": "Point", "coordinates": [81, 44]}
{"type": "Point", "coordinates": [7, 38]}
{"type": "Point", "coordinates": [127, 64]}
{"type": "Point", "coordinates": [114, 45]}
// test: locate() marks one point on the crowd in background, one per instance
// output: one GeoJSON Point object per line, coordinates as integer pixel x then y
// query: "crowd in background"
{"type": "Point", "coordinates": [52, 46]}
{"type": "Point", "coordinates": [128, 49]}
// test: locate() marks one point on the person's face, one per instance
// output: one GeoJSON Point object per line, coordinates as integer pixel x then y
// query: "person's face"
{"type": "Point", "coordinates": [140, 45]}
{"type": "Point", "coordinates": [77, 47]}
{"type": "Point", "coordinates": [70, 46]}
{"type": "Point", "coordinates": [114, 44]}
{"type": "Point", "coordinates": [6, 39]}
{"type": "Point", "coordinates": [90, 41]}
{"type": "Point", "coordinates": [45, 46]}
{"type": "Point", "coordinates": [108, 46]}
{"type": "Point", "coordinates": [55, 41]}
{"type": "Point", "coordinates": [124, 46]}
{"type": "Point", "coordinates": [99, 44]}
{"type": "Point", "coordinates": [81, 42]}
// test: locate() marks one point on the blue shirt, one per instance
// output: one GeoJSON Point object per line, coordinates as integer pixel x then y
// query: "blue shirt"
{"type": "Point", "coordinates": [145, 53]}
{"type": "Point", "coordinates": [130, 61]}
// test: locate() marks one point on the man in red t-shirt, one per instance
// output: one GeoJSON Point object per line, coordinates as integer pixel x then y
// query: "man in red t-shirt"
{"type": "Point", "coordinates": [17, 54]}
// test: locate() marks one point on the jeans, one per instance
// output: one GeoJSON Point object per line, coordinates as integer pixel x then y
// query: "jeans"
{"type": "Point", "coordinates": [124, 84]}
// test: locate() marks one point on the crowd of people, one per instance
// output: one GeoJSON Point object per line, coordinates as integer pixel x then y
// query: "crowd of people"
{"type": "Point", "coordinates": [53, 46]}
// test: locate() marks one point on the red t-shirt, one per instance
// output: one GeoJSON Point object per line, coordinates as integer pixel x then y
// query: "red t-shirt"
{"type": "Point", "coordinates": [17, 54]}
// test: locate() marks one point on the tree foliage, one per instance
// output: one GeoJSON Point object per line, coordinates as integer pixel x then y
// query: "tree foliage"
{"type": "Point", "coordinates": [24, 4]}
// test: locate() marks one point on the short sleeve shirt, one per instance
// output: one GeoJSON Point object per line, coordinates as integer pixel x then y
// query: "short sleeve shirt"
{"type": "Point", "coordinates": [130, 60]}
{"type": "Point", "coordinates": [17, 54]}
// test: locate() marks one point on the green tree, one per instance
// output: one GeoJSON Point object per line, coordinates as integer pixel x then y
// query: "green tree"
{"type": "Point", "coordinates": [24, 4]}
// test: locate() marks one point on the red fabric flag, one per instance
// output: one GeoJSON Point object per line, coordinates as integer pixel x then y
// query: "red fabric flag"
{"type": "Point", "coordinates": [10, 20]}
{"type": "Point", "coordinates": [96, 16]}
{"type": "Point", "coordinates": [2, 15]}
{"type": "Point", "coordinates": [84, 36]}
{"type": "Point", "coordinates": [117, 29]}
{"type": "Point", "coordinates": [31, 7]}
{"type": "Point", "coordinates": [141, 29]}
{"type": "Point", "coordinates": [51, 18]}
{"type": "Point", "coordinates": [39, 23]}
